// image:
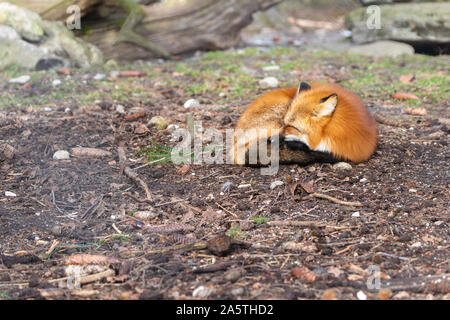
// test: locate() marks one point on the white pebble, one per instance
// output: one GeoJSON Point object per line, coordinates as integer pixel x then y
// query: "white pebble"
{"type": "Point", "coordinates": [120, 108]}
{"type": "Point", "coordinates": [275, 184]}
{"type": "Point", "coordinates": [269, 82]}
{"type": "Point", "coordinates": [56, 82]}
{"type": "Point", "coordinates": [271, 68]}
{"type": "Point", "coordinates": [61, 155]}
{"type": "Point", "coordinates": [99, 76]}
{"type": "Point", "coordinates": [416, 245]}
{"type": "Point", "coordinates": [10, 194]}
{"type": "Point", "coordinates": [413, 190]}
{"type": "Point", "coordinates": [342, 166]}
{"type": "Point", "coordinates": [363, 180]}
{"type": "Point", "coordinates": [202, 292]}
{"type": "Point", "coordinates": [356, 214]}
{"type": "Point", "coordinates": [191, 103]}
{"type": "Point", "coordinates": [21, 79]}
{"type": "Point", "coordinates": [361, 295]}
{"type": "Point", "coordinates": [244, 186]}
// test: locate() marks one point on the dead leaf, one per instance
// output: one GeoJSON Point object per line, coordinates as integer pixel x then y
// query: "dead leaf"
{"type": "Point", "coordinates": [64, 71]}
{"type": "Point", "coordinates": [183, 170]}
{"type": "Point", "coordinates": [141, 129]}
{"type": "Point", "coordinates": [405, 96]}
{"type": "Point", "coordinates": [307, 186]}
{"type": "Point", "coordinates": [84, 258]}
{"type": "Point", "coordinates": [304, 273]}
{"type": "Point", "coordinates": [135, 116]}
{"type": "Point", "coordinates": [416, 111]}
{"type": "Point", "coordinates": [132, 73]}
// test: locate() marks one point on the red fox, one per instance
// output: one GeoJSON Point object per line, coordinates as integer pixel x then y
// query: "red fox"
{"type": "Point", "coordinates": [315, 122]}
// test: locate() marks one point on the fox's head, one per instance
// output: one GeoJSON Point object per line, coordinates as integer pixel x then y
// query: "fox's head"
{"type": "Point", "coordinates": [308, 113]}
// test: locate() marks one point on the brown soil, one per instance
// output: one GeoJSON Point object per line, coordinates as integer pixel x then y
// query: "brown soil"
{"type": "Point", "coordinates": [402, 226]}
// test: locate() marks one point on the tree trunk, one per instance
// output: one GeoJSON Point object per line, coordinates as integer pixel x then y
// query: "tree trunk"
{"type": "Point", "coordinates": [178, 26]}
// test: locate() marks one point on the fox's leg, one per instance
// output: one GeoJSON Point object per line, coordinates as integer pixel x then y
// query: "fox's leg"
{"type": "Point", "coordinates": [127, 34]}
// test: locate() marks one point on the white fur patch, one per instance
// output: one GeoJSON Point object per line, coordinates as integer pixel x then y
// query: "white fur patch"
{"type": "Point", "coordinates": [323, 146]}
{"type": "Point", "coordinates": [292, 137]}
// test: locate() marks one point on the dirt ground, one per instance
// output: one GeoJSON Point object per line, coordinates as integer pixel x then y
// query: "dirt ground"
{"type": "Point", "coordinates": [286, 243]}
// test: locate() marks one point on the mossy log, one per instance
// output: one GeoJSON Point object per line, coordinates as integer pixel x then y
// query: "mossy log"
{"type": "Point", "coordinates": [177, 26]}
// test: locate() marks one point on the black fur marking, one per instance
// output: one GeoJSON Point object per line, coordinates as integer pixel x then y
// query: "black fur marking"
{"type": "Point", "coordinates": [327, 97]}
{"type": "Point", "coordinates": [303, 86]}
{"type": "Point", "coordinates": [297, 145]}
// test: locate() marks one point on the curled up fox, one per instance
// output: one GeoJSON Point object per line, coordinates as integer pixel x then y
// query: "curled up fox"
{"type": "Point", "coordinates": [314, 122]}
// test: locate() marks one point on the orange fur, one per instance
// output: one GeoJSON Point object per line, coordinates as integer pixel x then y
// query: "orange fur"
{"type": "Point", "coordinates": [348, 131]}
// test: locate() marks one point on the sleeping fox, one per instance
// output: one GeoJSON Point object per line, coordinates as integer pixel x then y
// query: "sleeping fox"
{"type": "Point", "coordinates": [315, 122]}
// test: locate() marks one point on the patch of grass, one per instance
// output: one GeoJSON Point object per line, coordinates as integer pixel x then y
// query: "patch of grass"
{"type": "Point", "coordinates": [235, 232]}
{"type": "Point", "coordinates": [259, 219]}
{"type": "Point", "coordinates": [156, 151]}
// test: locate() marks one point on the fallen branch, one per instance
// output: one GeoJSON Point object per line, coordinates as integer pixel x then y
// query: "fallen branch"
{"type": "Point", "coordinates": [130, 173]}
{"type": "Point", "coordinates": [387, 121]}
{"type": "Point", "coordinates": [333, 199]}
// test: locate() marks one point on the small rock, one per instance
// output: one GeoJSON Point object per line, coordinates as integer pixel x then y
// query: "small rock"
{"type": "Point", "coordinates": [356, 214]}
{"type": "Point", "coordinates": [20, 80]}
{"type": "Point", "coordinates": [271, 68]}
{"type": "Point", "coordinates": [416, 245]}
{"type": "Point", "coordinates": [247, 185]}
{"type": "Point", "coordinates": [61, 155]}
{"type": "Point", "coordinates": [363, 180]}
{"type": "Point", "coordinates": [191, 103]}
{"type": "Point", "coordinates": [120, 108]}
{"type": "Point", "coordinates": [99, 76]}
{"type": "Point", "coordinates": [342, 166]}
{"type": "Point", "coordinates": [172, 127]}
{"type": "Point", "coordinates": [226, 186]}
{"type": "Point", "coordinates": [269, 82]}
{"type": "Point", "coordinates": [275, 184]}
{"type": "Point", "coordinates": [160, 122]}
{"type": "Point", "coordinates": [202, 292]}
{"type": "Point", "coordinates": [57, 230]}
{"type": "Point", "coordinates": [237, 291]}
{"type": "Point", "coordinates": [56, 82]}
{"type": "Point", "coordinates": [361, 295]}
{"type": "Point", "coordinates": [413, 190]}
{"type": "Point", "coordinates": [234, 275]}
{"type": "Point", "coordinates": [10, 194]}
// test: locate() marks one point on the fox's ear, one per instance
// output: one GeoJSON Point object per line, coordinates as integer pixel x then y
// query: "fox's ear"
{"type": "Point", "coordinates": [303, 87]}
{"type": "Point", "coordinates": [326, 106]}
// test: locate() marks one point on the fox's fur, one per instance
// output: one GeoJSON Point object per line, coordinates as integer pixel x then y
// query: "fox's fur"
{"type": "Point", "coordinates": [314, 122]}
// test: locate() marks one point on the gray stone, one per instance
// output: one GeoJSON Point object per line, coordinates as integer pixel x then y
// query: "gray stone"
{"type": "Point", "coordinates": [21, 79]}
{"type": "Point", "coordinates": [342, 166]}
{"type": "Point", "coordinates": [269, 82]}
{"type": "Point", "coordinates": [28, 42]}
{"type": "Point", "coordinates": [383, 49]}
{"type": "Point", "coordinates": [26, 22]}
{"type": "Point", "coordinates": [407, 22]}
{"type": "Point", "coordinates": [61, 155]}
